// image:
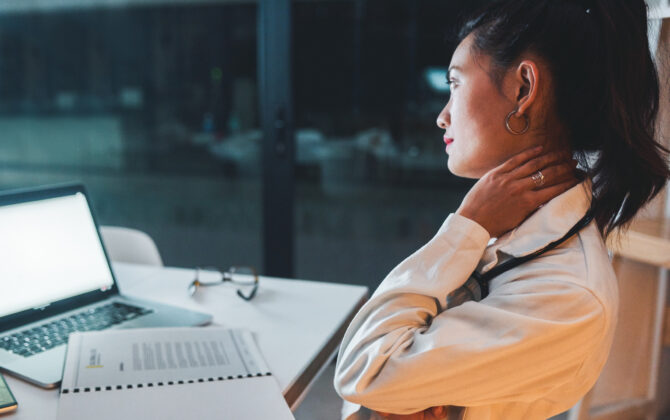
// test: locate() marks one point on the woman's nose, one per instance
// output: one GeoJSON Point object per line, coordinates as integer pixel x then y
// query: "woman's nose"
{"type": "Point", "coordinates": [443, 120]}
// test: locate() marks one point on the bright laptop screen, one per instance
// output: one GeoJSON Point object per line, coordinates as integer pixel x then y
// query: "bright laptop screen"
{"type": "Point", "coordinates": [50, 250]}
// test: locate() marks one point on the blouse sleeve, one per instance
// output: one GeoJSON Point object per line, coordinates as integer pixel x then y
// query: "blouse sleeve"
{"type": "Point", "coordinates": [403, 352]}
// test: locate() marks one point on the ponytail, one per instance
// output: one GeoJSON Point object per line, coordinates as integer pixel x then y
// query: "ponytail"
{"type": "Point", "coordinates": [605, 84]}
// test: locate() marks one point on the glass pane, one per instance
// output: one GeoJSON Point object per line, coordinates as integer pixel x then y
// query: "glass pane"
{"type": "Point", "coordinates": [373, 183]}
{"type": "Point", "coordinates": [153, 108]}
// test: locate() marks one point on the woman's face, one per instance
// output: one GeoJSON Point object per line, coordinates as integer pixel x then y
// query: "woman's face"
{"type": "Point", "coordinates": [474, 117]}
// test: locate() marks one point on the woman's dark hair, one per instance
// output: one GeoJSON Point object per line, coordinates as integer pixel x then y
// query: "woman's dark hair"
{"type": "Point", "coordinates": [605, 84]}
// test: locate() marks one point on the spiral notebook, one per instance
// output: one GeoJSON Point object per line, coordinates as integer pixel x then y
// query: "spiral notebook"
{"type": "Point", "coordinates": [168, 373]}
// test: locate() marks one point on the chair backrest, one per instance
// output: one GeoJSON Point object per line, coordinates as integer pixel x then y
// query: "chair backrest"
{"type": "Point", "coordinates": [130, 246]}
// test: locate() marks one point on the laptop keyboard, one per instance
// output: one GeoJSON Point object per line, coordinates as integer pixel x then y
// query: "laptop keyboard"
{"type": "Point", "coordinates": [44, 337]}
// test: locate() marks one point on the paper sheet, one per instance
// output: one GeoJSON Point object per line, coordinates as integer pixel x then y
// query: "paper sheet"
{"type": "Point", "coordinates": [150, 355]}
{"type": "Point", "coordinates": [168, 373]}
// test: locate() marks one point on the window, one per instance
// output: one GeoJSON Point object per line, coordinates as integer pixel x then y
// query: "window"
{"type": "Point", "coordinates": [372, 177]}
{"type": "Point", "coordinates": [152, 104]}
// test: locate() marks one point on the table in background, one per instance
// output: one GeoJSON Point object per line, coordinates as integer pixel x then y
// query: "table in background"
{"type": "Point", "coordinates": [298, 325]}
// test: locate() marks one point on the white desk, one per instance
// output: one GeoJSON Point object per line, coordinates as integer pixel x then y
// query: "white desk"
{"type": "Point", "coordinates": [298, 325]}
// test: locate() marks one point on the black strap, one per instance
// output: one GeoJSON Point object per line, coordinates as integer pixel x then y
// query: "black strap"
{"type": "Point", "coordinates": [484, 279]}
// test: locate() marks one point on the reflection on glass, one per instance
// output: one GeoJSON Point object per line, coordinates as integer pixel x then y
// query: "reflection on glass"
{"type": "Point", "coordinates": [154, 108]}
{"type": "Point", "coordinates": [373, 181]}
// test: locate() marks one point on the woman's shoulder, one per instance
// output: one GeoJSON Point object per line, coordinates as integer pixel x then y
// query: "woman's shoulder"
{"type": "Point", "coordinates": [599, 276]}
{"type": "Point", "coordinates": [580, 267]}
{"type": "Point", "coordinates": [581, 261]}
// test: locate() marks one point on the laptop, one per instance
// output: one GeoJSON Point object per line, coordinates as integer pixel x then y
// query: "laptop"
{"type": "Point", "coordinates": [55, 278]}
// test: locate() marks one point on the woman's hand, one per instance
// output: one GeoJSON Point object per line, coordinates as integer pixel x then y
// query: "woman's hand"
{"type": "Point", "coordinates": [433, 413]}
{"type": "Point", "coordinates": [506, 195]}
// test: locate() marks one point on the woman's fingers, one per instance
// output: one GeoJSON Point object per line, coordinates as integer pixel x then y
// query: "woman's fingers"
{"type": "Point", "coordinates": [433, 413]}
{"type": "Point", "coordinates": [553, 174]}
{"type": "Point", "coordinates": [505, 195]}
{"type": "Point", "coordinates": [416, 416]}
{"type": "Point", "coordinates": [519, 159]}
{"type": "Point", "coordinates": [538, 163]}
{"type": "Point", "coordinates": [439, 412]}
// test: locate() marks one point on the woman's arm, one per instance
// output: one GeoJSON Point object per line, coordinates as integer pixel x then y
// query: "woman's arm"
{"type": "Point", "coordinates": [404, 352]}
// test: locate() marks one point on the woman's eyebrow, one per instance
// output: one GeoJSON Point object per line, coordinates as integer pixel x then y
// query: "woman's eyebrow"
{"type": "Point", "coordinates": [453, 68]}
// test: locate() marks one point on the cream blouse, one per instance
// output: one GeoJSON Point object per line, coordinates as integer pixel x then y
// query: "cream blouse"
{"type": "Point", "coordinates": [530, 350]}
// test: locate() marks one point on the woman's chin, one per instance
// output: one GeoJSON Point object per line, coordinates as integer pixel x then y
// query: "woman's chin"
{"type": "Point", "coordinates": [460, 171]}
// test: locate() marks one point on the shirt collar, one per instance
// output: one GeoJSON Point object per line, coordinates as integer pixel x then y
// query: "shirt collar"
{"type": "Point", "coordinates": [547, 224]}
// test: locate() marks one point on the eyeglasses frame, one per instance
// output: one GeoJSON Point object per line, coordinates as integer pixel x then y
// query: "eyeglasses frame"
{"type": "Point", "coordinates": [226, 276]}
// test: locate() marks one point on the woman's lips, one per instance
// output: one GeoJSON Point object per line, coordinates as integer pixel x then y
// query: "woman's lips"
{"type": "Point", "coordinates": [447, 141]}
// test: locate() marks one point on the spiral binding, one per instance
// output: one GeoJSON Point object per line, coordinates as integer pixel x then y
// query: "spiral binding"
{"type": "Point", "coordinates": [158, 384]}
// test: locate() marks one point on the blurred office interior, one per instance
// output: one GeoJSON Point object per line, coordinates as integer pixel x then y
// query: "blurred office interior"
{"type": "Point", "coordinates": [154, 105]}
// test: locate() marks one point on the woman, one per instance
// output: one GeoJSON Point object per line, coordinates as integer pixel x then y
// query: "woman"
{"type": "Point", "coordinates": [571, 77]}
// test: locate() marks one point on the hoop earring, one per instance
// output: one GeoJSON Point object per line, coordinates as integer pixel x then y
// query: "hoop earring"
{"type": "Point", "coordinates": [517, 133]}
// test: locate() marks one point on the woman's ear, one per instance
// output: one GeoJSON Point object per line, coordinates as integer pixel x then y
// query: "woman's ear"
{"type": "Point", "coordinates": [527, 77]}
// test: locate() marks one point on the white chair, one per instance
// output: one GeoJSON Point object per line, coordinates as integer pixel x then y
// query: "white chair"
{"type": "Point", "coordinates": [130, 246]}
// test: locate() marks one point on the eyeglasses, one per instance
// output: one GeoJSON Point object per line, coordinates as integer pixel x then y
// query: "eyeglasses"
{"type": "Point", "coordinates": [245, 278]}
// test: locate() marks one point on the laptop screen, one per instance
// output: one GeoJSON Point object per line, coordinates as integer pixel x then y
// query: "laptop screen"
{"type": "Point", "coordinates": [50, 250]}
